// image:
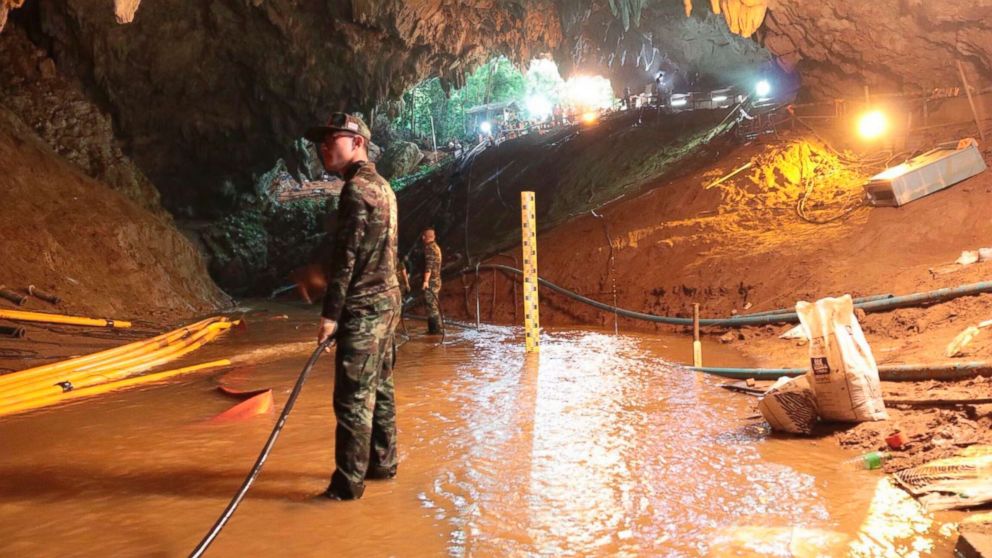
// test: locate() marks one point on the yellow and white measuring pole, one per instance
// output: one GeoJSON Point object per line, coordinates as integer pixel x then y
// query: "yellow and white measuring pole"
{"type": "Point", "coordinates": [697, 345]}
{"type": "Point", "coordinates": [528, 219]}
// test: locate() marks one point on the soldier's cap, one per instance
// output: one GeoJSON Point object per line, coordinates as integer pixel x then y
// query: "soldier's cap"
{"type": "Point", "coordinates": [339, 122]}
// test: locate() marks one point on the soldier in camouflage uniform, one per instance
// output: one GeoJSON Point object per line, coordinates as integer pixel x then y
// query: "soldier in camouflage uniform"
{"type": "Point", "coordinates": [361, 309]}
{"type": "Point", "coordinates": [432, 281]}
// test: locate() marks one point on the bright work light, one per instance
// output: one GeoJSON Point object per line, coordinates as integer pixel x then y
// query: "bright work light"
{"type": "Point", "coordinates": [872, 124]}
{"type": "Point", "coordinates": [763, 88]}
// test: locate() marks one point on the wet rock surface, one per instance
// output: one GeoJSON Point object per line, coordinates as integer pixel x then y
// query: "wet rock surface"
{"type": "Point", "coordinates": [400, 159]}
{"type": "Point", "coordinates": [254, 251]}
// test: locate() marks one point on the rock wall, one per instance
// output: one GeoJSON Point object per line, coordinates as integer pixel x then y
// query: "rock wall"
{"type": "Point", "coordinates": [663, 37]}
{"type": "Point", "coordinates": [891, 45]}
{"type": "Point", "coordinates": [59, 112]}
{"type": "Point", "coordinates": [99, 251]}
{"type": "Point", "coordinates": [205, 94]}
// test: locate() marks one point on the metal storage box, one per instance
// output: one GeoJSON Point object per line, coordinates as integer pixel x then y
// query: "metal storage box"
{"type": "Point", "coordinates": [923, 175]}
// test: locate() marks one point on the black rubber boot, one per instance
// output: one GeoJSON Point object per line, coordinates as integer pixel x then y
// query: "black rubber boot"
{"type": "Point", "coordinates": [379, 473]}
{"type": "Point", "coordinates": [342, 489]}
{"type": "Point", "coordinates": [433, 328]}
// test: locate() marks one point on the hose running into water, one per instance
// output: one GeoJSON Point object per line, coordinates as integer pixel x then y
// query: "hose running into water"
{"type": "Point", "coordinates": [232, 506]}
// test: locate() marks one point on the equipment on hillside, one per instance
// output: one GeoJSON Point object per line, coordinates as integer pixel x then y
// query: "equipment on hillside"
{"type": "Point", "coordinates": [933, 171]}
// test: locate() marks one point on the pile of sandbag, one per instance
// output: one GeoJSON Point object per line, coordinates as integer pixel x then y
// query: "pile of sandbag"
{"type": "Point", "coordinates": [842, 384]}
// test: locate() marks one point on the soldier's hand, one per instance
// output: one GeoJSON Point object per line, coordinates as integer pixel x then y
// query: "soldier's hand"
{"type": "Point", "coordinates": [327, 329]}
{"type": "Point", "coordinates": [425, 285]}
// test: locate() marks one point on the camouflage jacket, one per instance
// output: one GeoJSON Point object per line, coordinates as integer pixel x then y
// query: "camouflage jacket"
{"type": "Point", "coordinates": [432, 261]}
{"type": "Point", "coordinates": [362, 269]}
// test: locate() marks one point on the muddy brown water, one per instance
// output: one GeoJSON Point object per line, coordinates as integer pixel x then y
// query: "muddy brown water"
{"type": "Point", "coordinates": [598, 447]}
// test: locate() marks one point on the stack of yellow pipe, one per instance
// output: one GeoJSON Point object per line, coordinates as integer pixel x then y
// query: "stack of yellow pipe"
{"type": "Point", "coordinates": [22, 316]}
{"type": "Point", "coordinates": [106, 370]}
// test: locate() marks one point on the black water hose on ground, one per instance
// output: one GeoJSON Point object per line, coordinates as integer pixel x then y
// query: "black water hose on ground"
{"type": "Point", "coordinates": [232, 506]}
{"type": "Point", "coordinates": [857, 301]}
{"type": "Point", "coordinates": [875, 304]}
{"type": "Point", "coordinates": [946, 371]}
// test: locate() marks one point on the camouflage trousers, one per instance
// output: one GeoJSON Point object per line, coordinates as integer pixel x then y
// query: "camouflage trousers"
{"type": "Point", "coordinates": [433, 300]}
{"type": "Point", "coordinates": [364, 400]}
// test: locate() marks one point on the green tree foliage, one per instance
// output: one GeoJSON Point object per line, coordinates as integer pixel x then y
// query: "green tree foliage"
{"type": "Point", "coordinates": [497, 81]}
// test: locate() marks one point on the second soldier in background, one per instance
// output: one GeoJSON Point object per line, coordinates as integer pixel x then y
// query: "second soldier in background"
{"type": "Point", "coordinates": [432, 281]}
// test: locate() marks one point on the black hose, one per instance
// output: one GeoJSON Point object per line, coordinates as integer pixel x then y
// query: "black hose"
{"type": "Point", "coordinates": [12, 331]}
{"type": "Point", "coordinates": [874, 303]}
{"type": "Point", "coordinates": [606, 307]}
{"type": "Point", "coordinates": [264, 455]}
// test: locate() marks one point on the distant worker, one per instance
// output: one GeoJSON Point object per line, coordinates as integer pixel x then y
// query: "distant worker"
{"type": "Point", "coordinates": [663, 87]}
{"type": "Point", "coordinates": [361, 309]}
{"type": "Point", "coordinates": [432, 281]}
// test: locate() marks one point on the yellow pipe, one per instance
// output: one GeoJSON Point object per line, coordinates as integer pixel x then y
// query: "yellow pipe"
{"type": "Point", "coordinates": [21, 316]}
{"type": "Point", "coordinates": [50, 374]}
{"type": "Point", "coordinates": [167, 354]}
{"type": "Point", "coordinates": [149, 350]}
{"type": "Point", "coordinates": [210, 331]}
{"type": "Point", "coordinates": [34, 376]}
{"type": "Point", "coordinates": [102, 356]}
{"type": "Point", "coordinates": [52, 385]}
{"type": "Point", "coordinates": [104, 388]}
{"type": "Point", "coordinates": [51, 382]}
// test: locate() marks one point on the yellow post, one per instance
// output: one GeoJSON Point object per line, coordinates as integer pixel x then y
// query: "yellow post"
{"type": "Point", "coordinates": [697, 345]}
{"type": "Point", "coordinates": [532, 325]}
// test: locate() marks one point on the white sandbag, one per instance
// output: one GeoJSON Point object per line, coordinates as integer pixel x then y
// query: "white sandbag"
{"type": "Point", "coordinates": [789, 406]}
{"type": "Point", "coordinates": [843, 372]}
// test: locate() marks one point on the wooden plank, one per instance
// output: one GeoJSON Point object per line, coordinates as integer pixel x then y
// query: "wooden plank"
{"type": "Point", "coordinates": [974, 545]}
{"type": "Point", "coordinates": [971, 101]}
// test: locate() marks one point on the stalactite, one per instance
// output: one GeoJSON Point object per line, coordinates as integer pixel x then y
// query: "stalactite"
{"type": "Point", "coordinates": [628, 11]}
{"type": "Point", "coordinates": [744, 17]}
{"type": "Point", "coordinates": [125, 9]}
{"type": "Point", "coordinates": [5, 7]}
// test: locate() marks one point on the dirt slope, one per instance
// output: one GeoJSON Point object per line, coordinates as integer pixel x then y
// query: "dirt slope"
{"type": "Point", "coordinates": [74, 236]}
{"type": "Point", "coordinates": [740, 246]}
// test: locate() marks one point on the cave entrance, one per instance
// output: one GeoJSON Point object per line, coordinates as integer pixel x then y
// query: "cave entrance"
{"type": "Point", "coordinates": [498, 99]}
